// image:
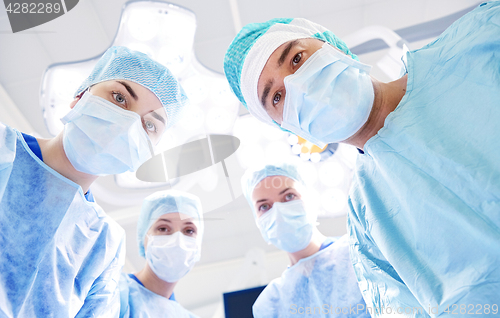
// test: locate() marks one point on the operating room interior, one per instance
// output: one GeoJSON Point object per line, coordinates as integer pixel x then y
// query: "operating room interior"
{"type": "Point", "coordinates": [208, 151]}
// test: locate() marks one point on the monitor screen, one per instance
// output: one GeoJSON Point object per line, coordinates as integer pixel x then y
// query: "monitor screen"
{"type": "Point", "coordinates": [239, 304]}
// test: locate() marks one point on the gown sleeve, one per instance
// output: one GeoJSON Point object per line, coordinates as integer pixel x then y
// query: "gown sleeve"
{"type": "Point", "coordinates": [7, 155]}
{"type": "Point", "coordinates": [103, 299]}
{"type": "Point", "coordinates": [376, 277]}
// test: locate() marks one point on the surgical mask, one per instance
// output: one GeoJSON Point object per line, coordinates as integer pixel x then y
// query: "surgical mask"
{"type": "Point", "coordinates": [329, 98]}
{"type": "Point", "coordinates": [171, 257]}
{"type": "Point", "coordinates": [101, 138]}
{"type": "Point", "coordinates": [287, 226]}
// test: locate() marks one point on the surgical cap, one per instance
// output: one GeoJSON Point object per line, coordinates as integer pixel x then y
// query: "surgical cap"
{"type": "Point", "coordinates": [164, 202]}
{"type": "Point", "coordinates": [119, 62]}
{"type": "Point", "coordinates": [256, 174]}
{"type": "Point", "coordinates": [248, 53]}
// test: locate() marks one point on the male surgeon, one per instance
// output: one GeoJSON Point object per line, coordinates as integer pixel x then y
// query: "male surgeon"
{"type": "Point", "coordinates": [424, 219]}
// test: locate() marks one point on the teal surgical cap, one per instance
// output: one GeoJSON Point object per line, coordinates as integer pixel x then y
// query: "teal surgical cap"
{"type": "Point", "coordinates": [119, 62]}
{"type": "Point", "coordinates": [164, 202]}
{"type": "Point", "coordinates": [254, 44]}
{"type": "Point", "coordinates": [256, 174]}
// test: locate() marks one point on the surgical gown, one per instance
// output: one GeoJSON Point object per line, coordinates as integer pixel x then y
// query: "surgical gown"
{"type": "Point", "coordinates": [424, 215]}
{"type": "Point", "coordinates": [322, 285]}
{"type": "Point", "coordinates": [139, 302]}
{"type": "Point", "coordinates": [60, 255]}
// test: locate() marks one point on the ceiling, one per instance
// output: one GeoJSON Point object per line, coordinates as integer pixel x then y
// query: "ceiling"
{"type": "Point", "coordinates": [231, 238]}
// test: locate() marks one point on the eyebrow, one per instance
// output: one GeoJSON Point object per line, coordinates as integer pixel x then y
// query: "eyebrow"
{"type": "Point", "coordinates": [129, 89]}
{"type": "Point", "coordinates": [267, 89]}
{"type": "Point", "coordinates": [160, 118]}
{"type": "Point", "coordinates": [285, 52]}
{"type": "Point", "coordinates": [285, 190]}
{"type": "Point", "coordinates": [282, 191]}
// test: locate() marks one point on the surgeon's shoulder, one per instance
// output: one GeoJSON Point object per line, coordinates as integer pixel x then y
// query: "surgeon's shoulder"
{"type": "Point", "coordinates": [8, 139]}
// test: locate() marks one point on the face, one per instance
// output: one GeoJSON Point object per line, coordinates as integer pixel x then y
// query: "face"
{"type": "Point", "coordinates": [169, 223]}
{"type": "Point", "coordinates": [273, 189]}
{"type": "Point", "coordinates": [138, 99]}
{"type": "Point", "coordinates": [284, 61]}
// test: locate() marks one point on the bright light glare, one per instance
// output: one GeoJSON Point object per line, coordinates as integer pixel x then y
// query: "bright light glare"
{"type": "Point", "coordinates": [333, 200]}
{"type": "Point", "coordinates": [331, 174]}
{"type": "Point", "coordinates": [143, 25]}
{"type": "Point", "coordinates": [193, 118]}
{"type": "Point", "coordinates": [309, 173]}
{"type": "Point", "coordinates": [196, 88]}
{"type": "Point", "coordinates": [219, 120]}
{"type": "Point", "coordinates": [292, 139]}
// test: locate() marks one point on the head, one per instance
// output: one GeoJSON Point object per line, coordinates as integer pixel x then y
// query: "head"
{"type": "Point", "coordinates": [169, 212]}
{"type": "Point", "coordinates": [134, 82]}
{"type": "Point", "coordinates": [120, 113]}
{"type": "Point", "coordinates": [278, 198]}
{"type": "Point", "coordinates": [263, 54]}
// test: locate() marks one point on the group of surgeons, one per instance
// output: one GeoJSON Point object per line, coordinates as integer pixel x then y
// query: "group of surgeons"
{"type": "Point", "coordinates": [423, 230]}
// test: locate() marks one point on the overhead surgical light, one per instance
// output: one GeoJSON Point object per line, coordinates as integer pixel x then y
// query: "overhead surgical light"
{"type": "Point", "coordinates": [165, 32]}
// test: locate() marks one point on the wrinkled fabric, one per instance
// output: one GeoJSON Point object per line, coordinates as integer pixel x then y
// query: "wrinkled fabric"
{"type": "Point", "coordinates": [119, 62]}
{"type": "Point", "coordinates": [424, 215]}
{"type": "Point", "coordinates": [322, 285]}
{"type": "Point", "coordinates": [169, 201]}
{"type": "Point", "coordinates": [136, 301]}
{"type": "Point", "coordinates": [60, 256]}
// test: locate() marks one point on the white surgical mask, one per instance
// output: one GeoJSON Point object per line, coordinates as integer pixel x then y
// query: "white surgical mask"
{"type": "Point", "coordinates": [101, 138]}
{"type": "Point", "coordinates": [329, 98]}
{"type": "Point", "coordinates": [287, 226]}
{"type": "Point", "coordinates": [171, 257]}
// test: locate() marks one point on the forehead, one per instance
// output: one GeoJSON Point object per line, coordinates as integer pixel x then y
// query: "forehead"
{"type": "Point", "coordinates": [175, 218]}
{"type": "Point", "coordinates": [271, 186]}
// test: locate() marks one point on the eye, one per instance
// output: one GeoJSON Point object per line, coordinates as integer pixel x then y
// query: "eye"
{"type": "Point", "coordinates": [149, 126]}
{"type": "Point", "coordinates": [290, 196]}
{"type": "Point", "coordinates": [296, 59]}
{"type": "Point", "coordinates": [264, 207]}
{"type": "Point", "coordinates": [162, 229]}
{"type": "Point", "coordinates": [119, 98]}
{"type": "Point", "coordinates": [189, 232]}
{"type": "Point", "coordinates": [276, 98]}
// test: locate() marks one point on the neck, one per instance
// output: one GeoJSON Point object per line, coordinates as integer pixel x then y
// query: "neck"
{"type": "Point", "coordinates": [54, 156]}
{"type": "Point", "coordinates": [152, 282]}
{"type": "Point", "coordinates": [311, 249]}
{"type": "Point", "coordinates": [387, 98]}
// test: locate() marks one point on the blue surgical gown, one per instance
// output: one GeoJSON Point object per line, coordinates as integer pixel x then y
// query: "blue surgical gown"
{"type": "Point", "coordinates": [136, 301]}
{"type": "Point", "coordinates": [322, 285]}
{"type": "Point", "coordinates": [60, 255]}
{"type": "Point", "coordinates": [424, 216]}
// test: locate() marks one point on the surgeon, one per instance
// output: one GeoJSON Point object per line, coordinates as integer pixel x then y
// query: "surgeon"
{"type": "Point", "coordinates": [424, 218]}
{"type": "Point", "coordinates": [320, 281]}
{"type": "Point", "coordinates": [60, 254]}
{"type": "Point", "coordinates": [169, 235]}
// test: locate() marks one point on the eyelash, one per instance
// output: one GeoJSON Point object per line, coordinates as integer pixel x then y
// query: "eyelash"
{"type": "Point", "coordinates": [155, 130]}
{"type": "Point", "coordinates": [116, 94]}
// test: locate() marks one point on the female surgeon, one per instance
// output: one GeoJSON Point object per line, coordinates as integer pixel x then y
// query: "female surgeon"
{"type": "Point", "coordinates": [423, 220]}
{"type": "Point", "coordinates": [320, 281]}
{"type": "Point", "coordinates": [60, 254]}
{"type": "Point", "coordinates": [169, 234]}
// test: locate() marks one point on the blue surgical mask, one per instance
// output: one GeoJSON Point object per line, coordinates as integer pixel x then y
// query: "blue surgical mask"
{"type": "Point", "coordinates": [101, 138]}
{"type": "Point", "coordinates": [287, 226]}
{"type": "Point", "coordinates": [329, 98]}
{"type": "Point", "coordinates": [171, 257]}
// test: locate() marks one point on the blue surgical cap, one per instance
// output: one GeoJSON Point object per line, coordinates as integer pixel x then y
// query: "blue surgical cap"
{"type": "Point", "coordinates": [285, 30]}
{"type": "Point", "coordinates": [169, 201]}
{"type": "Point", "coordinates": [256, 174]}
{"type": "Point", "coordinates": [119, 62]}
